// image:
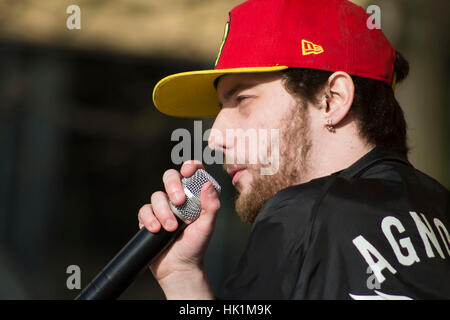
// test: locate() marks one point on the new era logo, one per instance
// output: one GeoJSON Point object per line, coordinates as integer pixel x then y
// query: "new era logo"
{"type": "Point", "coordinates": [310, 48]}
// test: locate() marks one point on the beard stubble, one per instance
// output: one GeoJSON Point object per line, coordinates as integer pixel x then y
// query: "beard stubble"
{"type": "Point", "coordinates": [294, 148]}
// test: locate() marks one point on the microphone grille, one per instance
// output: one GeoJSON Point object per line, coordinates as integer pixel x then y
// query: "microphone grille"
{"type": "Point", "coordinates": [190, 210]}
{"type": "Point", "coordinates": [197, 180]}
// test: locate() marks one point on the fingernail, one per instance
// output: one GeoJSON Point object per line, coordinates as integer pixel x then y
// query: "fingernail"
{"type": "Point", "coordinates": [211, 191]}
{"type": "Point", "coordinates": [169, 224]}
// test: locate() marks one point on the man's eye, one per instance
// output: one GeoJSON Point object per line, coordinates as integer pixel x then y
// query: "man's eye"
{"type": "Point", "coordinates": [239, 99]}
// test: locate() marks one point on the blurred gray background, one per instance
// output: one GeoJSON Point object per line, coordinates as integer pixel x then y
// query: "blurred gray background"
{"type": "Point", "coordinates": [82, 148]}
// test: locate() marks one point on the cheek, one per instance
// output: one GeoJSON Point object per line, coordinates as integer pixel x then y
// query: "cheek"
{"type": "Point", "coordinates": [276, 108]}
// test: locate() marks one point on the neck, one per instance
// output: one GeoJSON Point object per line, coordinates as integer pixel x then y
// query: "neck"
{"type": "Point", "coordinates": [338, 151]}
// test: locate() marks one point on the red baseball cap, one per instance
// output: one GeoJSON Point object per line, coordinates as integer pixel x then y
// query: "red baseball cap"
{"type": "Point", "coordinates": [273, 35]}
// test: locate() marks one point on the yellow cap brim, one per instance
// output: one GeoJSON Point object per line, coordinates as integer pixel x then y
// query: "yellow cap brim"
{"type": "Point", "coordinates": [192, 94]}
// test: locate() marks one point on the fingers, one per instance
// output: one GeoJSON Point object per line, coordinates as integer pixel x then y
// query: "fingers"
{"type": "Point", "coordinates": [158, 214]}
{"type": "Point", "coordinates": [189, 167]}
{"type": "Point", "coordinates": [147, 218]}
{"type": "Point", "coordinates": [174, 189]}
{"type": "Point", "coordinates": [172, 180]}
{"type": "Point", "coordinates": [162, 212]}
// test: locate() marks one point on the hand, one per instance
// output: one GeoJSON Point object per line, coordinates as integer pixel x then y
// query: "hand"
{"type": "Point", "coordinates": [182, 262]}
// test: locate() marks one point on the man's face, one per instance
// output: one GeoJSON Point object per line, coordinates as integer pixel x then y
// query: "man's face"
{"type": "Point", "coordinates": [258, 105]}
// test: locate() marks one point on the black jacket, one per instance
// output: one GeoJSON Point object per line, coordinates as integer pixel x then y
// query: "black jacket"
{"type": "Point", "coordinates": [376, 230]}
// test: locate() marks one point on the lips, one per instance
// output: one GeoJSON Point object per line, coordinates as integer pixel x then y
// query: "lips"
{"type": "Point", "coordinates": [235, 173]}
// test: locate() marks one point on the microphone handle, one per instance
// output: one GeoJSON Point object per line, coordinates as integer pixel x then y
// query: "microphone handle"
{"type": "Point", "coordinates": [122, 270]}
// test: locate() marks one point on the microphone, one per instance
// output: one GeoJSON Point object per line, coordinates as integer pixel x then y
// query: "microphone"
{"type": "Point", "coordinates": [145, 246]}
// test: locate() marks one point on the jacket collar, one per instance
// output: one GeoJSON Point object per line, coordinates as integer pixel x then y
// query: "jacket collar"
{"type": "Point", "coordinates": [373, 157]}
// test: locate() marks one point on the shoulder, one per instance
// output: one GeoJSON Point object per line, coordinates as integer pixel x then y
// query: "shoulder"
{"type": "Point", "coordinates": [299, 194]}
{"type": "Point", "coordinates": [293, 202]}
{"type": "Point", "coordinates": [388, 183]}
{"type": "Point", "coordinates": [351, 206]}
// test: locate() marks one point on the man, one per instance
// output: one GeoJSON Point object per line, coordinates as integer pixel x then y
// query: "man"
{"type": "Point", "coordinates": [345, 215]}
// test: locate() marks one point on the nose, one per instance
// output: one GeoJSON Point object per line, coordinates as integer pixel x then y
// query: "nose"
{"type": "Point", "coordinates": [216, 140]}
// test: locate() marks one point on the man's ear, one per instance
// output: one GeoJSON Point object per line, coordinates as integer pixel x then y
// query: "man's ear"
{"type": "Point", "coordinates": [340, 98]}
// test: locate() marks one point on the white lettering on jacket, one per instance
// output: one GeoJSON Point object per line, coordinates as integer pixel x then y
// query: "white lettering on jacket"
{"type": "Point", "coordinates": [403, 248]}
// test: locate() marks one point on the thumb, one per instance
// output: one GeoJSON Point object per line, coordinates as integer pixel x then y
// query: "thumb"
{"type": "Point", "coordinates": [210, 203]}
